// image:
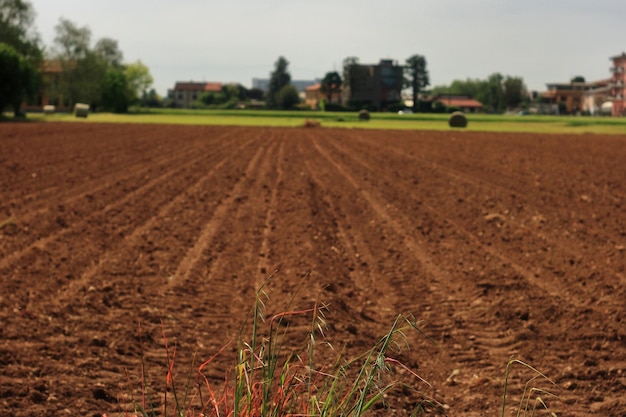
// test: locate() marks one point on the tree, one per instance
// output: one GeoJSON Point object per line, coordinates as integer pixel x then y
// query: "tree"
{"type": "Point", "coordinates": [139, 80]}
{"type": "Point", "coordinates": [279, 78]}
{"type": "Point", "coordinates": [17, 32]}
{"type": "Point", "coordinates": [416, 76]}
{"type": "Point", "coordinates": [108, 50]}
{"type": "Point", "coordinates": [515, 92]}
{"type": "Point", "coordinates": [116, 94]}
{"type": "Point", "coordinates": [71, 41]}
{"type": "Point", "coordinates": [10, 73]}
{"type": "Point", "coordinates": [18, 79]}
{"type": "Point", "coordinates": [331, 84]}
{"type": "Point", "coordinates": [287, 97]}
{"type": "Point", "coordinates": [72, 50]}
{"type": "Point", "coordinates": [350, 74]}
{"type": "Point", "coordinates": [151, 99]}
{"type": "Point", "coordinates": [16, 29]}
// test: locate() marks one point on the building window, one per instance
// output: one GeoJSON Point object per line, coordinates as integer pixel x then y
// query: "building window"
{"type": "Point", "coordinates": [180, 96]}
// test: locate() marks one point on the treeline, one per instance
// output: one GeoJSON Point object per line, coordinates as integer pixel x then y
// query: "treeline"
{"type": "Point", "coordinates": [78, 71]}
{"type": "Point", "coordinates": [497, 92]}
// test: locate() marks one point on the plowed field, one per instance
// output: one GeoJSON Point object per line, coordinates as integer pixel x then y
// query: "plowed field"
{"type": "Point", "coordinates": [500, 244]}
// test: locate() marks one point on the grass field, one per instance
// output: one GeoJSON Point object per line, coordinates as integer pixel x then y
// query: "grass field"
{"type": "Point", "coordinates": [478, 122]}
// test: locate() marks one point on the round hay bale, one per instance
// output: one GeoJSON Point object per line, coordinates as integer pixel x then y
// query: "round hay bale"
{"type": "Point", "coordinates": [81, 110]}
{"type": "Point", "coordinates": [457, 119]}
{"type": "Point", "coordinates": [364, 115]}
{"type": "Point", "coordinates": [48, 109]}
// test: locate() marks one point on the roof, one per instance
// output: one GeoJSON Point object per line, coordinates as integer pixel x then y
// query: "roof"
{"type": "Point", "coordinates": [459, 101]}
{"type": "Point", "coordinates": [193, 86]}
{"type": "Point", "coordinates": [622, 56]}
{"type": "Point", "coordinates": [314, 87]}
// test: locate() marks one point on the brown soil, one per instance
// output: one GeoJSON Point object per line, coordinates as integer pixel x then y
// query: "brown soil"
{"type": "Point", "coordinates": [500, 244]}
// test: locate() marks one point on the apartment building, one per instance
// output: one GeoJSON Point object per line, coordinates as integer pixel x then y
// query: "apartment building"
{"type": "Point", "coordinates": [618, 84]}
{"type": "Point", "coordinates": [376, 85]}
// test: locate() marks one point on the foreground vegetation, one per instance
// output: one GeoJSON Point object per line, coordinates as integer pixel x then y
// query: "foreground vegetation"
{"type": "Point", "coordinates": [422, 121]}
{"type": "Point", "coordinates": [269, 378]}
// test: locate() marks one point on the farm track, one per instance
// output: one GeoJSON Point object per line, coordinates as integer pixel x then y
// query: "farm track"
{"type": "Point", "coordinates": [499, 244]}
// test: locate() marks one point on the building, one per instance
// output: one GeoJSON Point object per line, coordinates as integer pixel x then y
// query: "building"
{"type": "Point", "coordinates": [313, 95]}
{"type": "Point", "coordinates": [577, 97]}
{"type": "Point", "coordinates": [596, 98]}
{"type": "Point", "coordinates": [463, 103]}
{"type": "Point", "coordinates": [185, 94]}
{"type": "Point", "coordinates": [618, 84]}
{"type": "Point", "coordinates": [374, 85]}
{"type": "Point", "coordinates": [50, 91]}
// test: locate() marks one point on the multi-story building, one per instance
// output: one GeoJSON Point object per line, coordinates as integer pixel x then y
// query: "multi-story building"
{"type": "Point", "coordinates": [618, 84]}
{"type": "Point", "coordinates": [376, 85]}
{"type": "Point", "coordinates": [185, 94]}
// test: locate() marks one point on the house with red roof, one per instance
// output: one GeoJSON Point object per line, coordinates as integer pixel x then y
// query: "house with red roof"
{"type": "Point", "coordinates": [464, 103]}
{"type": "Point", "coordinates": [313, 95]}
{"type": "Point", "coordinates": [185, 94]}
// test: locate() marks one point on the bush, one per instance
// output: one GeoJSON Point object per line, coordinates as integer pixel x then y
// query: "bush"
{"type": "Point", "coordinates": [396, 107]}
{"type": "Point", "coordinates": [336, 107]}
{"type": "Point", "coordinates": [287, 97]}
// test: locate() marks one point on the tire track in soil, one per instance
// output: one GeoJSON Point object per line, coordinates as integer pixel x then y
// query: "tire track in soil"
{"type": "Point", "coordinates": [501, 341]}
{"type": "Point", "coordinates": [554, 289]}
{"type": "Point", "coordinates": [548, 234]}
{"type": "Point", "coordinates": [561, 251]}
{"type": "Point", "coordinates": [485, 349]}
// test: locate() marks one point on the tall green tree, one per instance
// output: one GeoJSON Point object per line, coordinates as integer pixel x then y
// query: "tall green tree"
{"type": "Point", "coordinates": [17, 29]}
{"type": "Point", "coordinates": [416, 76]}
{"type": "Point", "coordinates": [350, 74]}
{"type": "Point", "coordinates": [10, 74]}
{"type": "Point", "coordinates": [515, 92]}
{"type": "Point", "coordinates": [18, 79]}
{"type": "Point", "coordinates": [72, 50]}
{"type": "Point", "coordinates": [139, 80]}
{"type": "Point", "coordinates": [108, 50]}
{"type": "Point", "coordinates": [279, 78]}
{"type": "Point", "coordinates": [116, 95]}
{"type": "Point", "coordinates": [331, 83]}
{"type": "Point", "coordinates": [492, 93]}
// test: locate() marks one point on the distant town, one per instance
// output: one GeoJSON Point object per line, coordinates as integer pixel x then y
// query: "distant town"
{"type": "Point", "coordinates": [381, 88]}
{"type": "Point", "coordinates": [74, 71]}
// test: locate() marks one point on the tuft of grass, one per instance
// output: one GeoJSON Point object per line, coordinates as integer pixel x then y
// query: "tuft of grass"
{"type": "Point", "coordinates": [534, 397]}
{"type": "Point", "coordinates": [271, 378]}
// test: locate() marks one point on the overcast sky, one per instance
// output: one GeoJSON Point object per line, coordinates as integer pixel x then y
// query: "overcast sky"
{"type": "Point", "coordinates": [235, 40]}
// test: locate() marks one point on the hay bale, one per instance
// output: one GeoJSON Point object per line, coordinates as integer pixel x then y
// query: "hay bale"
{"type": "Point", "coordinates": [457, 119]}
{"type": "Point", "coordinates": [81, 110]}
{"type": "Point", "coordinates": [49, 109]}
{"type": "Point", "coordinates": [364, 115]}
{"type": "Point", "coordinates": [311, 123]}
